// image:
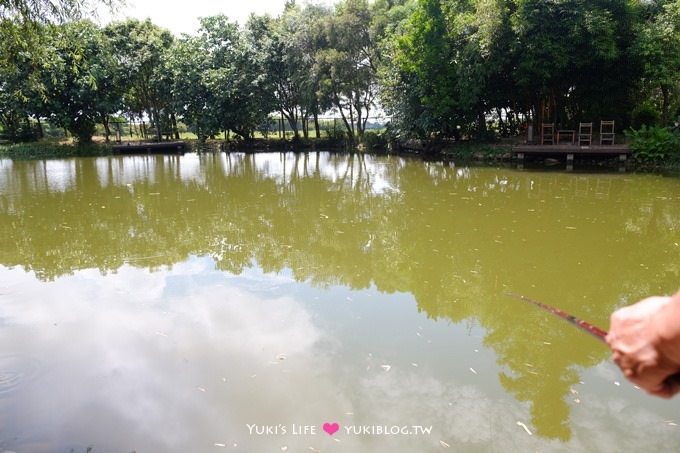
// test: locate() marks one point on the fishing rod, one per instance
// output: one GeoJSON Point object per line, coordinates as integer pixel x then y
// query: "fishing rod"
{"type": "Point", "coordinates": [595, 331]}
{"type": "Point", "coordinates": [581, 324]}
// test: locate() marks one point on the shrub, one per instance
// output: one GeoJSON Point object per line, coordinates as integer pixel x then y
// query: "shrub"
{"type": "Point", "coordinates": [373, 140]}
{"type": "Point", "coordinates": [650, 144]}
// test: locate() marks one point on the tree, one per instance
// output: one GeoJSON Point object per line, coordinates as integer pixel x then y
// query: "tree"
{"type": "Point", "coordinates": [287, 46]}
{"type": "Point", "coordinates": [54, 10]}
{"type": "Point", "coordinates": [568, 52]}
{"type": "Point", "coordinates": [21, 90]}
{"type": "Point", "coordinates": [82, 87]}
{"type": "Point", "coordinates": [348, 65]}
{"type": "Point", "coordinates": [218, 81]}
{"type": "Point", "coordinates": [658, 48]}
{"type": "Point", "coordinates": [422, 75]}
{"type": "Point", "coordinates": [141, 48]}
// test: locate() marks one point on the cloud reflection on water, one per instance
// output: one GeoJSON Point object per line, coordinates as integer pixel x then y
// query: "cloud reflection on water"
{"type": "Point", "coordinates": [184, 359]}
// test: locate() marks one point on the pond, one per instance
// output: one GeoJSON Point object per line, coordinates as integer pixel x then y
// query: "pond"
{"type": "Point", "coordinates": [323, 302]}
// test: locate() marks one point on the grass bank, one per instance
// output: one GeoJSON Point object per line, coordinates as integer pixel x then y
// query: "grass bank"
{"type": "Point", "coordinates": [47, 150]}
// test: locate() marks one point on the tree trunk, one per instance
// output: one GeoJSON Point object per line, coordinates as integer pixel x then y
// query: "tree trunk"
{"type": "Point", "coordinates": [175, 129]}
{"type": "Point", "coordinates": [316, 125]}
{"type": "Point", "coordinates": [107, 129]}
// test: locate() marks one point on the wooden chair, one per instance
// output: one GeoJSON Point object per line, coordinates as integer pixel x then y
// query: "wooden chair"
{"type": "Point", "coordinates": [607, 133]}
{"type": "Point", "coordinates": [547, 134]}
{"type": "Point", "coordinates": [585, 134]}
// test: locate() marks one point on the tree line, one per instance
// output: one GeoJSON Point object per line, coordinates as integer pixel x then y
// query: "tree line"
{"type": "Point", "coordinates": [437, 68]}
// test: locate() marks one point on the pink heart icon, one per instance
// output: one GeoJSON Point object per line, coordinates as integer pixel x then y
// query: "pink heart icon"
{"type": "Point", "coordinates": [331, 428]}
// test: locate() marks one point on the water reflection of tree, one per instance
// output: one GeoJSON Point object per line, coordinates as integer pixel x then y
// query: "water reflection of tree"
{"type": "Point", "coordinates": [455, 238]}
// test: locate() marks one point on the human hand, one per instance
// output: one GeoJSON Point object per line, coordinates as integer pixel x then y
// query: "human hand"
{"type": "Point", "coordinates": [645, 342]}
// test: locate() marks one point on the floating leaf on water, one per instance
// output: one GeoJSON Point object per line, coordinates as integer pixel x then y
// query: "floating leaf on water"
{"type": "Point", "coordinates": [444, 444]}
{"type": "Point", "coordinates": [525, 427]}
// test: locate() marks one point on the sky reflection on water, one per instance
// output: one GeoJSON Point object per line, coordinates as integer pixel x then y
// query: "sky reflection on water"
{"type": "Point", "coordinates": [186, 359]}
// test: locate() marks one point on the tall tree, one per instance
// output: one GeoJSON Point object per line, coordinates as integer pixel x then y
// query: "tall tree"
{"type": "Point", "coordinates": [83, 89]}
{"type": "Point", "coordinates": [658, 49]}
{"type": "Point", "coordinates": [348, 66]}
{"type": "Point", "coordinates": [141, 48]}
{"type": "Point", "coordinates": [288, 47]}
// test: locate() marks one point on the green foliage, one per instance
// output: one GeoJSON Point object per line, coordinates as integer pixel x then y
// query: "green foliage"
{"type": "Point", "coordinates": [654, 144]}
{"type": "Point", "coordinates": [373, 140]}
{"type": "Point", "coordinates": [84, 87]}
{"type": "Point", "coordinates": [52, 150]}
{"type": "Point", "coordinates": [657, 48]}
{"type": "Point", "coordinates": [460, 68]}
{"type": "Point", "coordinates": [645, 114]}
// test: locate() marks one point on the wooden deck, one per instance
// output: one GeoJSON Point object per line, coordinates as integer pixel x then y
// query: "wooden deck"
{"type": "Point", "coordinates": [150, 148]}
{"type": "Point", "coordinates": [571, 151]}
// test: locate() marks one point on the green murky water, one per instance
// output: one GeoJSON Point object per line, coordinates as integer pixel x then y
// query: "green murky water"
{"type": "Point", "coordinates": [251, 302]}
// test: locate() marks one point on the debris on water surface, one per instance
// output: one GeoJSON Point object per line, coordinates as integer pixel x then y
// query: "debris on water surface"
{"type": "Point", "coordinates": [281, 357]}
{"type": "Point", "coordinates": [473, 370]}
{"type": "Point", "coordinates": [220, 445]}
{"type": "Point", "coordinates": [617, 383]}
{"type": "Point", "coordinates": [414, 364]}
{"type": "Point", "coordinates": [386, 367]}
{"type": "Point", "coordinates": [670, 423]}
{"type": "Point", "coordinates": [314, 450]}
{"type": "Point", "coordinates": [525, 427]}
{"type": "Point", "coordinates": [200, 389]}
{"type": "Point", "coordinates": [284, 448]}
{"type": "Point", "coordinates": [444, 444]}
